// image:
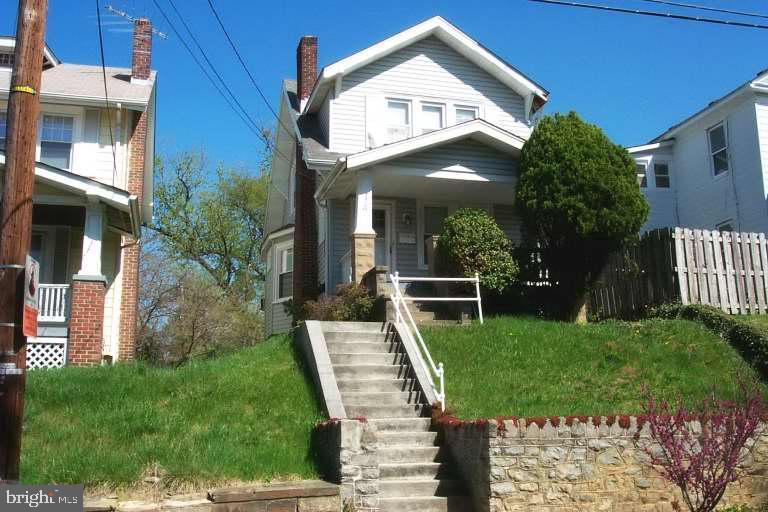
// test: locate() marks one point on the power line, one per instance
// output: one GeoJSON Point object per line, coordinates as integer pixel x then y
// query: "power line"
{"type": "Point", "coordinates": [245, 67]}
{"type": "Point", "coordinates": [205, 71]}
{"type": "Point", "coordinates": [707, 8]}
{"type": "Point", "coordinates": [258, 131]}
{"type": "Point", "coordinates": [652, 13]}
{"type": "Point", "coordinates": [106, 94]}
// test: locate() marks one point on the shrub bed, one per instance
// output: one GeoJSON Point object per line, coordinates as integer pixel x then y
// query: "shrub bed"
{"type": "Point", "coordinates": [749, 339]}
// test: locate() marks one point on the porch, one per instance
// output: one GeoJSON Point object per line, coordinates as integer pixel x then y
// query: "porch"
{"type": "Point", "coordinates": [386, 205]}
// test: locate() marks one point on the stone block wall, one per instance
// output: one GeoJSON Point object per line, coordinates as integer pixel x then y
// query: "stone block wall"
{"type": "Point", "coordinates": [564, 464]}
{"type": "Point", "coordinates": [346, 452]}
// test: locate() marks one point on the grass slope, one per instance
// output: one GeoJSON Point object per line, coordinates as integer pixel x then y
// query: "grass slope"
{"type": "Point", "coordinates": [246, 416]}
{"type": "Point", "coordinates": [532, 367]}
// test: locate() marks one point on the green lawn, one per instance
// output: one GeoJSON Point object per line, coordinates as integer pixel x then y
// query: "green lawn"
{"type": "Point", "coordinates": [531, 367]}
{"type": "Point", "coordinates": [246, 416]}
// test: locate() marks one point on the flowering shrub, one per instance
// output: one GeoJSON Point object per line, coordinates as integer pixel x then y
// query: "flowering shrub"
{"type": "Point", "coordinates": [702, 464]}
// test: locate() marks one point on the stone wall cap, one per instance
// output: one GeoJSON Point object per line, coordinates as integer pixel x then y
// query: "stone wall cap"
{"type": "Point", "coordinates": [299, 489]}
{"type": "Point", "coordinates": [90, 278]}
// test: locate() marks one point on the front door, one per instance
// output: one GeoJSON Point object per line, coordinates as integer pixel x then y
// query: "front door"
{"type": "Point", "coordinates": [382, 225]}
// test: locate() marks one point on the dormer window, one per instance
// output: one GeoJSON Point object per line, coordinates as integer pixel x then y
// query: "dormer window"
{"type": "Point", "coordinates": [6, 60]}
{"type": "Point", "coordinates": [398, 120]}
{"type": "Point", "coordinates": [432, 117]}
{"type": "Point", "coordinates": [464, 114]}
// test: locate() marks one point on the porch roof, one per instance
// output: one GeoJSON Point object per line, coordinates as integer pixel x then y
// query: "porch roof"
{"type": "Point", "coordinates": [478, 129]}
{"type": "Point", "coordinates": [123, 211]}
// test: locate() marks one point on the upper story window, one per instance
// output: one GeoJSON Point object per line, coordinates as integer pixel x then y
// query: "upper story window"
{"type": "Point", "coordinates": [6, 60]}
{"type": "Point", "coordinates": [661, 175]}
{"type": "Point", "coordinates": [432, 117]}
{"type": "Point", "coordinates": [56, 140]}
{"type": "Point", "coordinates": [718, 148]}
{"type": "Point", "coordinates": [464, 114]}
{"type": "Point", "coordinates": [642, 175]}
{"type": "Point", "coordinates": [3, 128]}
{"type": "Point", "coordinates": [398, 120]}
{"type": "Point", "coordinates": [284, 289]}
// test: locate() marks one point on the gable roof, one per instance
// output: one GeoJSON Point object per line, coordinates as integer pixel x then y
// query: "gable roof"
{"type": "Point", "coordinates": [477, 129]}
{"type": "Point", "coordinates": [759, 84]}
{"type": "Point", "coordinates": [447, 33]}
{"type": "Point", "coordinates": [49, 58]}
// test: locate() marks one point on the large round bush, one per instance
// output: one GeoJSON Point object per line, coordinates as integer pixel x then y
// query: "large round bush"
{"type": "Point", "coordinates": [471, 241]}
{"type": "Point", "coordinates": [579, 200]}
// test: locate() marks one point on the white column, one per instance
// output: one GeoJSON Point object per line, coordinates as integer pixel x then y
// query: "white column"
{"type": "Point", "coordinates": [364, 204]}
{"type": "Point", "coordinates": [92, 235]}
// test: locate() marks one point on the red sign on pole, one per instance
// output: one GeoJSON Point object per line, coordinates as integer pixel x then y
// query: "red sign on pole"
{"type": "Point", "coordinates": [31, 286]}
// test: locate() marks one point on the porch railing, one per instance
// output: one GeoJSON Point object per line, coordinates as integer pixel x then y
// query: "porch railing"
{"type": "Point", "coordinates": [404, 317]}
{"type": "Point", "coordinates": [53, 303]}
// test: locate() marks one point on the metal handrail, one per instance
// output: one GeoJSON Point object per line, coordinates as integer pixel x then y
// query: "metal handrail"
{"type": "Point", "coordinates": [400, 301]}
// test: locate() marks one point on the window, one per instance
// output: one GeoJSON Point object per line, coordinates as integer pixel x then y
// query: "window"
{"type": "Point", "coordinates": [398, 120]}
{"type": "Point", "coordinates": [661, 173]}
{"type": "Point", "coordinates": [718, 148]}
{"type": "Point", "coordinates": [3, 127]}
{"type": "Point", "coordinates": [464, 114]}
{"type": "Point", "coordinates": [642, 178]}
{"type": "Point", "coordinates": [433, 225]}
{"type": "Point", "coordinates": [284, 273]}
{"type": "Point", "coordinates": [56, 141]}
{"type": "Point", "coordinates": [6, 60]}
{"type": "Point", "coordinates": [431, 117]}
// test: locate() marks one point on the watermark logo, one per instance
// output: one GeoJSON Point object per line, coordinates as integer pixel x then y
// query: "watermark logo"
{"type": "Point", "coordinates": [41, 498]}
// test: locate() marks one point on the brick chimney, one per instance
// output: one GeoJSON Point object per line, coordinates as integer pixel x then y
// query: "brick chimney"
{"type": "Point", "coordinates": [141, 61]}
{"type": "Point", "coordinates": [306, 67]}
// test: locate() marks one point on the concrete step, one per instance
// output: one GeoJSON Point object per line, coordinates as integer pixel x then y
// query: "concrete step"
{"type": "Point", "coordinates": [384, 411]}
{"type": "Point", "coordinates": [370, 371]}
{"type": "Point", "coordinates": [375, 385]}
{"type": "Point", "coordinates": [386, 398]}
{"type": "Point", "coordinates": [420, 470]}
{"type": "Point", "coordinates": [407, 454]}
{"type": "Point", "coordinates": [402, 424]}
{"type": "Point", "coordinates": [406, 439]}
{"type": "Point", "coordinates": [354, 336]}
{"type": "Point", "coordinates": [363, 347]}
{"type": "Point", "coordinates": [411, 487]}
{"type": "Point", "coordinates": [371, 358]}
{"type": "Point", "coordinates": [426, 504]}
{"type": "Point", "coordinates": [354, 326]}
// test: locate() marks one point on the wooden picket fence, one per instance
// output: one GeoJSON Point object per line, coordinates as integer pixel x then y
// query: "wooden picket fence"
{"type": "Point", "coordinates": [727, 270]}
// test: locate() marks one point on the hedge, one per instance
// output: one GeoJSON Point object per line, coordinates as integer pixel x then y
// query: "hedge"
{"type": "Point", "coordinates": [751, 341]}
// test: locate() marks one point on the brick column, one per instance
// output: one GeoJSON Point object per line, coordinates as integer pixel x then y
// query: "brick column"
{"type": "Point", "coordinates": [129, 264]}
{"type": "Point", "coordinates": [86, 324]}
{"type": "Point", "coordinates": [304, 234]}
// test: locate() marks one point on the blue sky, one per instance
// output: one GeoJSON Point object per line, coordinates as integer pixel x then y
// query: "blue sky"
{"type": "Point", "coordinates": [634, 76]}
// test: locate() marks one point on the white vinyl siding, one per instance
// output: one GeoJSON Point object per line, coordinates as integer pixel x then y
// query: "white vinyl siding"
{"type": "Point", "coordinates": [464, 156]}
{"type": "Point", "coordinates": [428, 69]}
{"type": "Point", "coordinates": [338, 241]}
{"type": "Point", "coordinates": [761, 110]}
{"type": "Point", "coordinates": [323, 116]}
{"type": "Point", "coordinates": [276, 319]}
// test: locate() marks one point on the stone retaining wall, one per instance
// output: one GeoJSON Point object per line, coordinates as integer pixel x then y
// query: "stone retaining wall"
{"type": "Point", "coordinates": [558, 465]}
{"type": "Point", "coordinates": [300, 496]}
{"type": "Point", "coordinates": [346, 451]}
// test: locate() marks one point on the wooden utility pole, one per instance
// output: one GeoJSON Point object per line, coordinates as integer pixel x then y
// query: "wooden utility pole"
{"type": "Point", "coordinates": [16, 225]}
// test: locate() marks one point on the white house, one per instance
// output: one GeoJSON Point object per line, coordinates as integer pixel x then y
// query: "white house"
{"type": "Point", "coordinates": [93, 191]}
{"type": "Point", "coordinates": [378, 148]}
{"type": "Point", "coordinates": [710, 171]}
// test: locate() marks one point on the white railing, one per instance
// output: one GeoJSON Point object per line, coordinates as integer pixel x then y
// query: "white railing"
{"type": "Point", "coordinates": [346, 267]}
{"type": "Point", "coordinates": [53, 303]}
{"type": "Point", "coordinates": [400, 302]}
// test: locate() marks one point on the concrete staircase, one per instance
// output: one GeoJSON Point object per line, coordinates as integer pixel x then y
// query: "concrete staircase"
{"type": "Point", "coordinates": [433, 314]}
{"type": "Point", "coordinates": [376, 381]}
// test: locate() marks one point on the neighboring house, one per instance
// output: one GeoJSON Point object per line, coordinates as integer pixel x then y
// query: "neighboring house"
{"type": "Point", "coordinates": [711, 170]}
{"type": "Point", "coordinates": [93, 191]}
{"type": "Point", "coordinates": [375, 151]}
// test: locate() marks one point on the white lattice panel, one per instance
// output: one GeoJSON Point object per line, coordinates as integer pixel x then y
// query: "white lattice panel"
{"type": "Point", "coordinates": [51, 354]}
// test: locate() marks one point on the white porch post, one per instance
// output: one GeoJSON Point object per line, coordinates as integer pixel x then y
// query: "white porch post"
{"type": "Point", "coordinates": [364, 204]}
{"type": "Point", "coordinates": [363, 235]}
{"type": "Point", "coordinates": [93, 232]}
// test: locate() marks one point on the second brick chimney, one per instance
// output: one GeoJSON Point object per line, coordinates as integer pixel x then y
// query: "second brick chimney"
{"type": "Point", "coordinates": [141, 61]}
{"type": "Point", "coordinates": [306, 67]}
